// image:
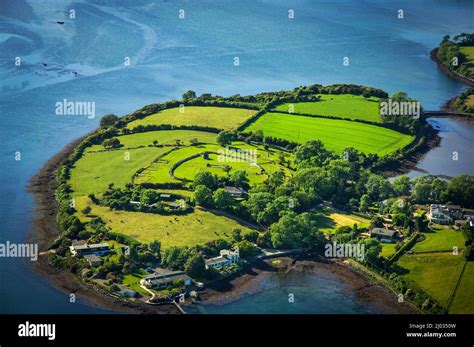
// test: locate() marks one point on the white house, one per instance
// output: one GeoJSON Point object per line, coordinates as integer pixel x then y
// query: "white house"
{"type": "Point", "coordinates": [440, 214]}
{"type": "Point", "coordinates": [226, 258]}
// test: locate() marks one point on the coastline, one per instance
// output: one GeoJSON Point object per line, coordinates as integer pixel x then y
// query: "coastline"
{"type": "Point", "coordinates": [251, 279]}
{"type": "Point", "coordinates": [44, 230]}
{"type": "Point", "coordinates": [449, 72]}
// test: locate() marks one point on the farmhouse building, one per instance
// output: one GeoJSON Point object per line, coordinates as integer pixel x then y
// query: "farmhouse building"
{"type": "Point", "coordinates": [92, 259]}
{"type": "Point", "coordinates": [226, 258]}
{"type": "Point", "coordinates": [96, 248]}
{"type": "Point", "coordinates": [161, 281]}
{"type": "Point", "coordinates": [385, 235]}
{"type": "Point", "coordinates": [440, 214]}
{"type": "Point", "coordinates": [235, 192]}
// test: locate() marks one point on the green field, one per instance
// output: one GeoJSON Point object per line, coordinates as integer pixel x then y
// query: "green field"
{"type": "Point", "coordinates": [388, 249]}
{"type": "Point", "coordinates": [335, 134]}
{"type": "Point", "coordinates": [191, 229]}
{"type": "Point", "coordinates": [158, 172]}
{"type": "Point", "coordinates": [164, 137]}
{"type": "Point", "coordinates": [463, 300]}
{"type": "Point", "coordinates": [468, 51]}
{"type": "Point", "coordinates": [441, 239]}
{"type": "Point", "coordinates": [216, 117]}
{"type": "Point", "coordinates": [436, 274]}
{"type": "Point", "coordinates": [342, 105]}
{"type": "Point", "coordinates": [190, 168]}
{"type": "Point", "coordinates": [94, 171]}
{"type": "Point", "coordinates": [329, 222]}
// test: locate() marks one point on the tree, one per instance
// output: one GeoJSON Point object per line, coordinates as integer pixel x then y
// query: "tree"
{"type": "Point", "coordinates": [111, 143]}
{"type": "Point", "coordinates": [222, 199]}
{"type": "Point", "coordinates": [227, 169]}
{"type": "Point", "coordinates": [365, 203]}
{"type": "Point", "coordinates": [460, 190]}
{"type": "Point", "coordinates": [189, 94]}
{"type": "Point", "coordinates": [378, 188]}
{"type": "Point", "coordinates": [296, 231]}
{"type": "Point", "coordinates": [155, 143]}
{"type": "Point", "coordinates": [246, 248]}
{"type": "Point", "coordinates": [87, 210]}
{"type": "Point", "coordinates": [225, 138]}
{"type": "Point", "coordinates": [108, 120]}
{"type": "Point", "coordinates": [236, 235]}
{"type": "Point", "coordinates": [372, 250]}
{"type": "Point", "coordinates": [401, 185]}
{"type": "Point", "coordinates": [377, 222]}
{"type": "Point", "coordinates": [312, 153]}
{"type": "Point", "coordinates": [276, 179]}
{"type": "Point", "coordinates": [155, 247]}
{"type": "Point", "coordinates": [195, 266]}
{"type": "Point", "coordinates": [205, 178]}
{"type": "Point", "coordinates": [149, 196]}
{"type": "Point", "coordinates": [251, 236]}
{"type": "Point", "coordinates": [203, 196]}
{"type": "Point", "coordinates": [239, 178]}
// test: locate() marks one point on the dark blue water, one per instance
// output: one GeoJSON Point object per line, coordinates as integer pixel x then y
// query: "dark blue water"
{"type": "Point", "coordinates": [84, 62]}
{"type": "Point", "coordinates": [298, 293]}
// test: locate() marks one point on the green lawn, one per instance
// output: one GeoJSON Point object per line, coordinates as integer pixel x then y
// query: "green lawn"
{"type": "Point", "coordinates": [216, 117]}
{"type": "Point", "coordinates": [436, 274]}
{"type": "Point", "coordinates": [94, 171]}
{"type": "Point", "coordinates": [463, 301]}
{"type": "Point", "coordinates": [164, 137]}
{"type": "Point", "coordinates": [328, 223]}
{"type": "Point", "coordinates": [335, 134]}
{"type": "Point", "coordinates": [468, 51]}
{"type": "Point", "coordinates": [441, 239]}
{"type": "Point", "coordinates": [342, 105]}
{"type": "Point", "coordinates": [158, 172]}
{"type": "Point", "coordinates": [190, 168]}
{"type": "Point", "coordinates": [388, 249]}
{"type": "Point", "coordinates": [191, 229]}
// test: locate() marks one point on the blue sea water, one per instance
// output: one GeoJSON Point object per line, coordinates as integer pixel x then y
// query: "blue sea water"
{"type": "Point", "coordinates": [83, 60]}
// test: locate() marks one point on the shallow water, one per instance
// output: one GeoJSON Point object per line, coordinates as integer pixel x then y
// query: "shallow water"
{"type": "Point", "coordinates": [84, 62]}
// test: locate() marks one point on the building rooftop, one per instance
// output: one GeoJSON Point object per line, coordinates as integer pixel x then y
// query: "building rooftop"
{"type": "Point", "coordinates": [216, 260]}
{"type": "Point", "coordinates": [92, 258]}
{"type": "Point", "coordinates": [383, 232]}
{"type": "Point", "coordinates": [91, 246]}
{"type": "Point", "coordinates": [234, 190]}
{"type": "Point", "coordinates": [168, 277]}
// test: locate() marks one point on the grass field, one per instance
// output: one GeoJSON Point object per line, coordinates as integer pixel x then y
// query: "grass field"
{"type": "Point", "coordinates": [388, 249]}
{"type": "Point", "coordinates": [190, 168]}
{"type": "Point", "coordinates": [335, 134]}
{"type": "Point", "coordinates": [94, 171]}
{"type": "Point", "coordinates": [216, 117]}
{"type": "Point", "coordinates": [164, 137]}
{"type": "Point", "coordinates": [435, 273]}
{"type": "Point", "coordinates": [441, 239]}
{"type": "Point", "coordinates": [158, 172]}
{"type": "Point", "coordinates": [468, 51]}
{"type": "Point", "coordinates": [463, 301]}
{"type": "Point", "coordinates": [342, 105]}
{"type": "Point", "coordinates": [328, 223]}
{"type": "Point", "coordinates": [195, 228]}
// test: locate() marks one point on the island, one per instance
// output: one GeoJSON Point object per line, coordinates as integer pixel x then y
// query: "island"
{"type": "Point", "coordinates": [161, 205]}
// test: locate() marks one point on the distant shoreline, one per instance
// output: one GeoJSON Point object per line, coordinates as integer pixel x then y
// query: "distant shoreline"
{"type": "Point", "coordinates": [449, 72]}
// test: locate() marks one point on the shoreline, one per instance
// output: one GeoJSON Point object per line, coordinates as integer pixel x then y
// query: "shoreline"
{"type": "Point", "coordinates": [250, 283]}
{"type": "Point", "coordinates": [449, 72]}
{"type": "Point", "coordinates": [44, 230]}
